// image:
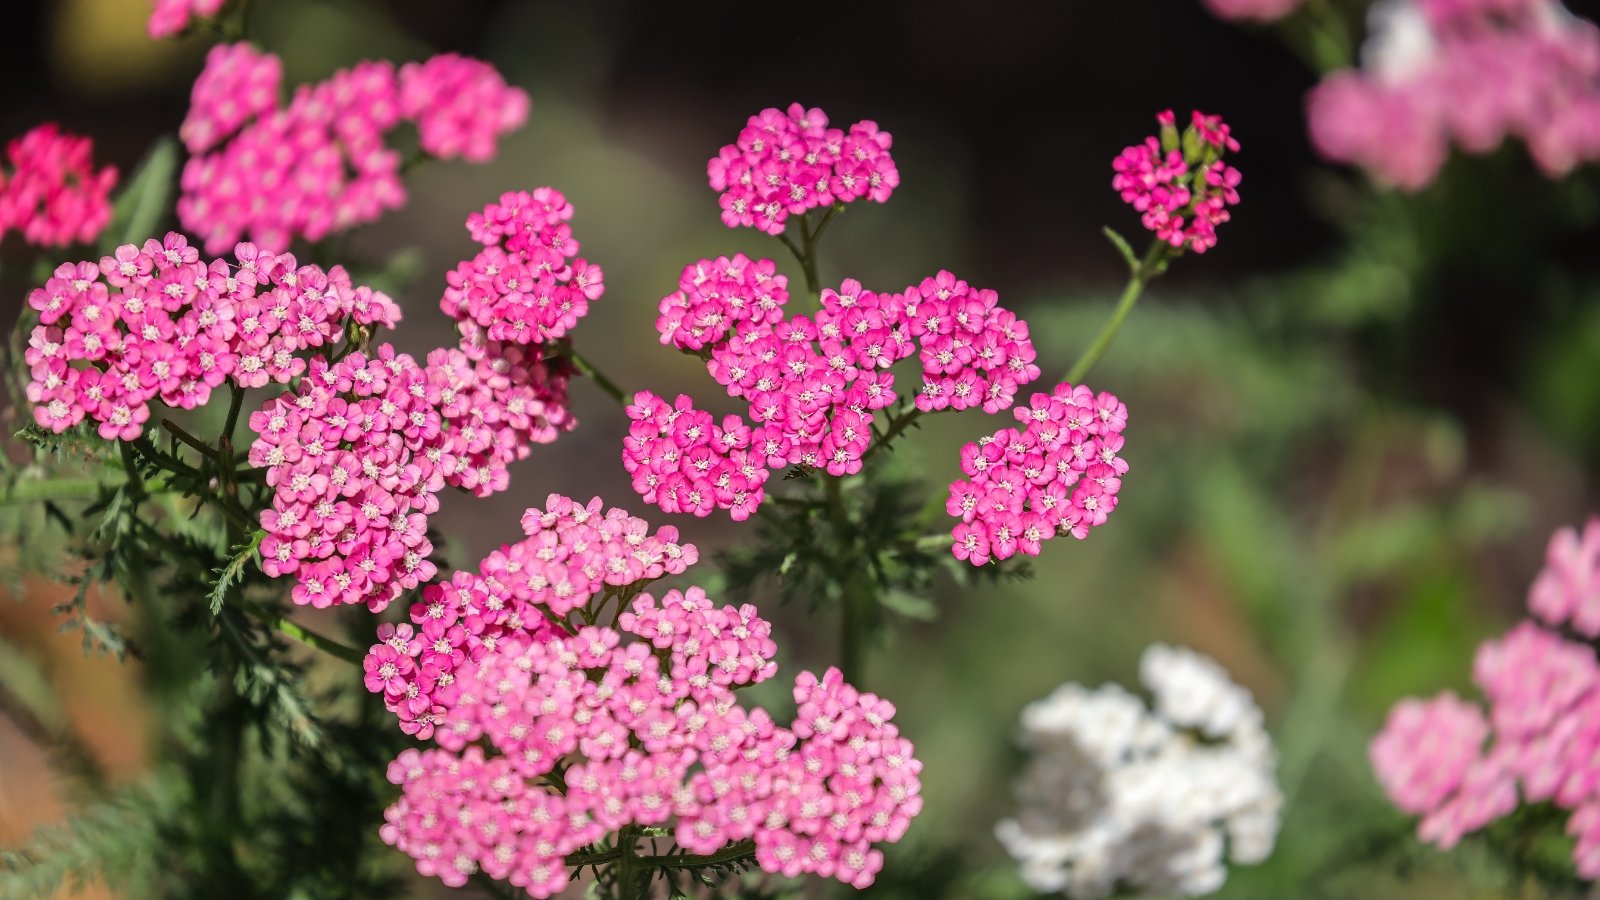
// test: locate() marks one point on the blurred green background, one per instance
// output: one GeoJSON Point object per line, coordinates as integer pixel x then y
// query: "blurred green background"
{"type": "Point", "coordinates": [1353, 425]}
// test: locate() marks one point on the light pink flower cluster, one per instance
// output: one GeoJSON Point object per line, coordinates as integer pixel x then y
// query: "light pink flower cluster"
{"type": "Point", "coordinates": [645, 727]}
{"type": "Point", "coordinates": [172, 16]}
{"type": "Point", "coordinates": [496, 401]}
{"type": "Point", "coordinates": [355, 458]}
{"type": "Point", "coordinates": [573, 552]}
{"type": "Point", "coordinates": [1059, 475]}
{"type": "Point", "coordinates": [50, 191]}
{"type": "Point", "coordinates": [790, 162]}
{"type": "Point", "coordinates": [812, 384]}
{"type": "Point", "coordinates": [1468, 73]}
{"type": "Point", "coordinates": [320, 164]}
{"type": "Point", "coordinates": [1567, 590]}
{"type": "Point", "coordinates": [1444, 760]}
{"type": "Point", "coordinates": [714, 296]}
{"type": "Point", "coordinates": [1180, 185]}
{"type": "Point", "coordinates": [1256, 10]}
{"type": "Point", "coordinates": [528, 285]}
{"type": "Point", "coordinates": [157, 322]}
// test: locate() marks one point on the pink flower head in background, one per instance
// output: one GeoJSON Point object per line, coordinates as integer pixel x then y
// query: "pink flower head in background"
{"type": "Point", "coordinates": [461, 106]}
{"type": "Point", "coordinates": [1060, 474]}
{"type": "Point", "coordinates": [1567, 590]}
{"type": "Point", "coordinates": [168, 17]}
{"type": "Point", "coordinates": [159, 323]}
{"type": "Point", "coordinates": [573, 553]}
{"type": "Point", "coordinates": [790, 162]}
{"type": "Point", "coordinates": [527, 286]}
{"type": "Point", "coordinates": [1179, 184]}
{"type": "Point", "coordinates": [50, 191]}
{"type": "Point", "coordinates": [1468, 74]}
{"type": "Point", "coordinates": [644, 725]}
{"type": "Point", "coordinates": [320, 164]}
{"type": "Point", "coordinates": [1256, 10]}
{"type": "Point", "coordinates": [1443, 759]}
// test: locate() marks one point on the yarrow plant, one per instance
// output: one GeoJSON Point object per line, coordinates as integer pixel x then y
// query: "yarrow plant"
{"type": "Point", "coordinates": [1443, 759]}
{"type": "Point", "coordinates": [50, 191]}
{"type": "Point", "coordinates": [1124, 799]}
{"type": "Point", "coordinates": [558, 716]}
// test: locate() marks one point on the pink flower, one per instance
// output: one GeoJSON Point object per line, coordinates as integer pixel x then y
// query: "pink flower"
{"type": "Point", "coordinates": [50, 190]}
{"type": "Point", "coordinates": [789, 163]}
{"type": "Point", "coordinates": [1567, 590]}
{"type": "Point", "coordinates": [1256, 10]}
{"type": "Point", "coordinates": [168, 17]}
{"type": "Point", "coordinates": [1181, 187]}
{"type": "Point", "coordinates": [461, 106]}
{"type": "Point", "coordinates": [1465, 73]}
{"type": "Point", "coordinates": [1426, 748]}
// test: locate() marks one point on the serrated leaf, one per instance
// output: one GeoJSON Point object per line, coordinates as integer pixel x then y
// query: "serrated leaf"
{"type": "Point", "coordinates": [1121, 243]}
{"type": "Point", "coordinates": [233, 572]}
{"type": "Point", "coordinates": [145, 197]}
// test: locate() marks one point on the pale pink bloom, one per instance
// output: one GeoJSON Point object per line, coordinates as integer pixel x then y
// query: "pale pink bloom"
{"type": "Point", "coordinates": [1567, 590]}
{"type": "Point", "coordinates": [1426, 748]}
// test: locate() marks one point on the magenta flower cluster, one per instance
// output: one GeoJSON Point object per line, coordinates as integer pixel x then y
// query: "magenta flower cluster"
{"type": "Point", "coordinates": [644, 725]}
{"type": "Point", "coordinates": [528, 285]}
{"type": "Point", "coordinates": [573, 552]}
{"type": "Point", "coordinates": [1544, 722]}
{"type": "Point", "coordinates": [158, 323]}
{"type": "Point", "coordinates": [715, 296]}
{"type": "Point", "coordinates": [1463, 73]}
{"type": "Point", "coordinates": [320, 164]}
{"type": "Point", "coordinates": [1058, 475]}
{"type": "Point", "coordinates": [812, 385]}
{"type": "Point", "coordinates": [168, 17]}
{"type": "Point", "coordinates": [1180, 185]}
{"type": "Point", "coordinates": [790, 162]}
{"type": "Point", "coordinates": [50, 190]}
{"type": "Point", "coordinates": [355, 459]}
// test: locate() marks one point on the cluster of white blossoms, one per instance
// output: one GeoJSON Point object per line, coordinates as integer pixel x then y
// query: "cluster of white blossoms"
{"type": "Point", "coordinates": [1122, 797]}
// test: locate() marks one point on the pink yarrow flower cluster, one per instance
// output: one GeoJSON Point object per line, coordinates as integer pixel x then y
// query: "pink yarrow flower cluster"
{"type": "Point", "coordinates": [1254, 10]}
{"type": "Point", "coordinates": [1567, 590]}
{"type": "Point", "coordinates": [1463, 73]}
{"type": "Point", "coordinates": [1445, 760]}
{"type": "Point", "coordinates": [320, 164]}
{"type": "Point", "coordinates": [1059, 474]}
{"type": "Point", "coordinates": [1179, 184]}
{"type": "Point", "coordinates": [645, 725]}
{"type": "Point", "coordinates": [813, 384]}
{"type": "Point", "coordinates": [50, 190]}
{"type": "Point", "coordinates": [168, 17]}
{"type": "Point", "coordinates": [159, 323]}
{"type": "Point", "coordinates": [573, 553]}
{"type": "Point", "coordinates": [528, 285]}
{"type": "Point", "coordinates": [790, 162]}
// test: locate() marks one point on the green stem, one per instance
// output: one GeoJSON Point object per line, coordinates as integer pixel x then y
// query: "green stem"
{"type": "Point", "coordinates": [808, 261]}
{"type": "Point", "coordinates": [34, 490]}
{"type": "Point", "coordinates": [1153, 264]}
{"type": "Point", "coordinates": [897, 426]}
{"type": "Point", "coordinates": [314, 640]}
{"type": "Point", "coordinates": [727, 854]}
{"type": "Point", "coordinates": [628, 866]}
{"type": "Point", "coordinates": [235, 403]}
{"type": "Point", "coordinates": [601, 381]}
{"type": "Point", "coordinates": [177, 431]}
{"type": "Point", "coordinates": [850, 599]}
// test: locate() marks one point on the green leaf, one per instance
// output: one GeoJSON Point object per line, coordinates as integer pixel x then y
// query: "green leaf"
{"type": "Point", "coordinates": [230, 575]}
{"type": "Point", "coordinates": [144, 198]}
{"type": "Point", "coordinates": [1121, 244]}
{"type": "Point", "coordinates": [912, 606]}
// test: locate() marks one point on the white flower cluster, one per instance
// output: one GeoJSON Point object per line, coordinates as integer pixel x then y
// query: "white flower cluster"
{"type": "Point", "coordinates": [1122, 797]}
